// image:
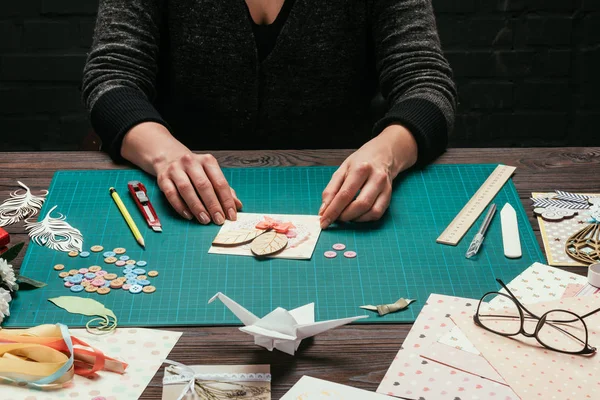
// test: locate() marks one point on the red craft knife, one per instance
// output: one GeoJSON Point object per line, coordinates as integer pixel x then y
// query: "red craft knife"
{"type": "Point", "coordinates": [140, 196]}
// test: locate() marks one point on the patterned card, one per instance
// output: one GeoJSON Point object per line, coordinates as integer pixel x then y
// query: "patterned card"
{"type": "Point", "coordinates": [301, 240]}
{"type": "Point", "coordinates": [143, 349]}
{"type": "Point", "coordinates": [533, 371]}
{"type": "Point", "coordinates": [556, 233]}
{"type": "Point", "coordinates": [308, 388]}
{"type": "Point", "coordinates": [412, 376]}
{"type": "Point", "coordinates": [538, 283]}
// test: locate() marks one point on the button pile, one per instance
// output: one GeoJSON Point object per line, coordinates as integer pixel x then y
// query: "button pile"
{"type": "Point", "coordinates": [96, 280]}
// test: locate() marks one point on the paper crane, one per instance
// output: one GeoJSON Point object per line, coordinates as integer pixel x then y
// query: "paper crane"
{"type": "Point", "coordinates": [282, 329]}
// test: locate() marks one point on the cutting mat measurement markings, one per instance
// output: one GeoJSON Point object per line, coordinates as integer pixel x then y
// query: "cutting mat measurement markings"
{"type": "Point", "coordinates": [475, 206]}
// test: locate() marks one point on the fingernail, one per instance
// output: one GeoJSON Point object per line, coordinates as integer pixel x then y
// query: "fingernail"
{"type": "Point", "coordinates": [325, 223]}
{"type": "Point", "coordinates": [231, 214]}
{"type": "Point", "coordinates": [322, 208]}
{"type": "Point", "coordinates": [187, 215]}
{"type": "Point", "coordinates": [219, 219]}
{"type": "Point", "coordinates": [204, 218]}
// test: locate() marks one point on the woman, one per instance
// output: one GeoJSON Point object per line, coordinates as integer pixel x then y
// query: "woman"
{"type": "Point", "coordinates": [166, 76]}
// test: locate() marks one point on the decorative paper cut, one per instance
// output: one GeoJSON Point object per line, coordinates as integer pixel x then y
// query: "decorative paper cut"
{"type": "Point", "coordinates": [384, 309]}
{"type": "Point", "coordinates": [584, 246]}
{"type": "Point", "coordinates": [143, 349]}
{"type": "Point", "coordinates": [554, 213]}
{"type": "Point", "coordinates": [216, 382]}
{"type": "Point", "coordinates": [55, 233]}
{"type": "Point", "coordinates": [533, 371]}
{"type": "Point", "coordinates": [302, 234]}
{"type": "Point", "coordinates": [555, 233]}
{"type": "Point", "coordinates": [282, 329]}
{"type": "Point", "coordinates": [20, 206]}
{"type": "Point", "coordinates": [107, 321]}
{"type": "Point", "coordinates": [269, 243]}
{"type": "Point", "coordinates": [572, 197]}
{"type": "Point", "coordinates": [572, 290]}
{"type": "Point", "coordinates": [308, 388]}
{"type": "Point", "coordinates": [457, 339]}
{"type": "Point", "coordinates": [413, 377]}
{"type": "Point", "coordinates": [538, 283]}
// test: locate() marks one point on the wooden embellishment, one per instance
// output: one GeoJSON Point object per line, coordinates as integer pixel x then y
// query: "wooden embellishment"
{"type": "Point", "coordinates": [237, 237]}
{"type": "Point", "coordinates": [584, 246]}
{"type": "Point", "coordinates": [269, 243]}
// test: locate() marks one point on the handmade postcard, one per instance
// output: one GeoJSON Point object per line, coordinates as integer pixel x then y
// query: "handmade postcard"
{"type": "Point", "coordinates": [273, 235]}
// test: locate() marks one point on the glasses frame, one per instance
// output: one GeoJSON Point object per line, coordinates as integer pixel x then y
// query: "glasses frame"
{"type": "Point", "coordinates": [541, 320]}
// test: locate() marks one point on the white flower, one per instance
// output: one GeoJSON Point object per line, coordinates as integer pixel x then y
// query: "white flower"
{"type": "Point", "coordinates": [7, 275]}
{"type": "Point", "coordinates": [4, 306]}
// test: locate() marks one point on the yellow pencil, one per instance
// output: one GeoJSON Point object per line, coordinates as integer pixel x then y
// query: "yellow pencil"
{"type": "Point", "coordinates": [128, 219]}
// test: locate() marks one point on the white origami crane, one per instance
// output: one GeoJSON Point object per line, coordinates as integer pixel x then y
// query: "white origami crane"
{"type": "Point", "coordinates": [282, 329]}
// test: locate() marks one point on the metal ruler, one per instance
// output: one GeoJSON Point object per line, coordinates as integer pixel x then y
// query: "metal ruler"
{"type": "Point", "coordinates": [473, 209]}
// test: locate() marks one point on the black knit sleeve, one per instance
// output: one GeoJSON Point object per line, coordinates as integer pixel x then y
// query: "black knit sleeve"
{"type": "Point", "coordinates": [414, 76]}
{"type": "Point", "coordinates": [120, 72]}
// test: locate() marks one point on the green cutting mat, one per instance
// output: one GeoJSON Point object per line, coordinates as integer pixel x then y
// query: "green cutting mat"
{"type": "Point", "coordinates": [397, 257]}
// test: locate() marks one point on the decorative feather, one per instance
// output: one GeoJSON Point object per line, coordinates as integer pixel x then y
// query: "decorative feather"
{"type": "Point", "coordinates": [55, 233]}
{"type": "Point", "coordinates": [20, 206]}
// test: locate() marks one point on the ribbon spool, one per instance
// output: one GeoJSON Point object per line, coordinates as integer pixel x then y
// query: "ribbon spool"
{"type": "Point", "coordinates": [594, 275]}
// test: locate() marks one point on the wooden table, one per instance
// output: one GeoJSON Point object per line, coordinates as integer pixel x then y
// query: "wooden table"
{"type": "Point", "coordinates": [357, 355]}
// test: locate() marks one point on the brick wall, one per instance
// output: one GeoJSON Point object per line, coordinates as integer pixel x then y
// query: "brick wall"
{"type": "Point", "coordinates": [527, 71]}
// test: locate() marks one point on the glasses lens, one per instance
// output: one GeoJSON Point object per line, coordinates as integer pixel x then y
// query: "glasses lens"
{"type": "Point", "coordinates": [504, 321]}
{"type": "Point", "coordinates": [564, 331]}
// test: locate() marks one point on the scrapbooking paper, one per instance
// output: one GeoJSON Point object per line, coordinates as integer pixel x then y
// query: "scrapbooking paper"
{"type": "Point", "coordinates": [572, 290]}
{"type": "Point", "coordinates": [456, 338]}
{"type": "Point", "coordinates": [143, 349]}
{"type": "Point", "coordinates": [538, 283]}
{"type": "Point", "coordinates": [302, 238]}
{"type": "Point", "coordinates": [414, 377]}
{"type": "Point", "coordinates": [308, 388]}
{"type": "Point", "coordinates": [534, 371]}
{"type": "Point", "coordinates": [555, 234]}
{"type": "Point", "coordinates": [212, 382]}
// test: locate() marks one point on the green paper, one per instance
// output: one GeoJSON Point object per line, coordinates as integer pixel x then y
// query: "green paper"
{"type": "Point", "coordinates": [31, 282]}
{"type": "Point", "coordinates": [89, 307]}
{"type": "Point", "coordinates": [13, 252]}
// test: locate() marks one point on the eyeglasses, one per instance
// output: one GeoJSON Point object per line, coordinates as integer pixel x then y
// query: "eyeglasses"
{"type": "Point", "coordinates": [557, 330]}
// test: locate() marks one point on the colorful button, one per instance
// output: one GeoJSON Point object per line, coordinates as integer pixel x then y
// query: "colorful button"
{"type": "Point", "coordinates": [126, 286]}
{"type": "Point", "coordinates": [59, 267]}
{"type": "Point", "coordinates": [89, 275]}
{"type": "Point", "coordinates": [142, 277]}
{"type": "Point", "coordinates": [73, 272]}
{"type": "Point", "coordinates": [83, 270]}
{"type": "Point", "coordinates": [349, 254]}
{"type": "Point", "coordinates": [110, 260]}
{"type": "Point", "coordinates": [103, 290]}
{"type": "Point", "coordinates": [116, 284]}
{"type": "Point", "coordinates": [130, 262]}
{"type": "Point", "coordinates": [91, 288]}
{"type": "Point", "coordinates": [143, 282]}
{"type": "Point", "coordinates": [139, 271]}
{"type": "Point", "coordinates": [110, 277]}
{"type": "Point", "coordinates": [131, 276]}
{"type": "Point", "coordinates": [135, 289]}
{"type": "Point", "coordinates": [77, 279]}
{"type": "Point", "coordinates": [67, 279]}
{"type": "Point", "coordinates": [152, 274]}
{"type": "Point", "coordinates": [76, 288]}
{"type": "Point", "coordinates": [101, 273]}
{"type": "Point", "coordinates": [131, 281]}
{"type": "Point", "coordinates": [141, 263]}
{"type": "Point", "coordinates": [98, 282]}
{"type": "Point", "coordinates": [94, 268]}
{"type": "Point", "coordinates": [124, 258]}
{"type": "Point", "coordinates": [84, 254]}
{"type": "Point", "coordinates": [120, 263]}
{"type": "Point", "coordinates": [69, 284]}
{"type": "Point", "coordinates": [121, 279]}
{"type": "Point", "coordinates": [149, 289]}
{"type": "Point", "coordinates": [120, 250]}
{"type": "Point", "coordinates": [107, 254]}
{"type": "Point", "coordinates": [330, 254]}
{"type": "Point", "coordinates": [127, 271]}
{"type": "Point", "coordinates": [73, 253]}
{"type": "Point", "coordinates": [85, 283]}
{"type": "Point", "coordinates": [63, 274]}
{"type": "Point", "coordinates": [97, 248]}
{"type": "Point", "coordinates": [339, 246]}
{"type": "Point", "coordinates": [106, 283]}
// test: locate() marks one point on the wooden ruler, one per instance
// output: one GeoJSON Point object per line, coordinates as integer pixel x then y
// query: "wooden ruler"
{"type": "Point", "coordinates": [473, 209]}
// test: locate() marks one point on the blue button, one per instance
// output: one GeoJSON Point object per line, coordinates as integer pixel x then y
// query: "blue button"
{"type": "Point", "coordinates": [107, 284]}
{"type": "Point", "coordinates": [78, 276]}
{"type": "Point", "coordinates": [90, 275]}
{"type": "Point", "coordinates": [109, 254]}
{"type": "Point", "coordinates": [143, 282]}
{"type": "Point", "coordinates": [127, 271]}
{"type": "Point", "coordinates": [132, 281]}
{"type": "Point", "coordinates": [131, 276]}
{"type": "Point", "coordinates": [139, 271]}
{"type": "Point", "coordinates": [84, 254]}
{"type": "Point", "coordinates": [124, 258]}
{"type": "Point", "coordinates": [76, 288]}
{"type": "Point", "coordinates": [68, 278]}
{"type": "Point", "coordinates": [76, 279]}
{"type": "Point", "coordinates": [141, 263]}
{"type": "Point", "coordinates": [135, 289]}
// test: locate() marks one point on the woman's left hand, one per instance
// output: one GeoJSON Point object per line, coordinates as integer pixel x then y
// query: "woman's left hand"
{"type": "Point", "coordinates": [368, 172]}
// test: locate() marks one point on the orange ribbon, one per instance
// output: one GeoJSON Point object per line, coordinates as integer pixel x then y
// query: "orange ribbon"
{"type": "Point", "coordinates": [277, 226]}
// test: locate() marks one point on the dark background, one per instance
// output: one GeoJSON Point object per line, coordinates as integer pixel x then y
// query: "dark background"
{"type": "Point", "coordinates": [528, 71]}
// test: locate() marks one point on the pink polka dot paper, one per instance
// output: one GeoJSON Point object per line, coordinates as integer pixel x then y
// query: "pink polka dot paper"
{"type": "Point", "coordinates": [143, 349]}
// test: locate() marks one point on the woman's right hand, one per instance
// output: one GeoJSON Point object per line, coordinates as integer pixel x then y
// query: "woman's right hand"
{"type": "Point", "coordinates": [193, 183]}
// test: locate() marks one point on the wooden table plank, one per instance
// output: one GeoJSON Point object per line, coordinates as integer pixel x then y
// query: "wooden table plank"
{"type": "Point", "coordinates": [354, 355]}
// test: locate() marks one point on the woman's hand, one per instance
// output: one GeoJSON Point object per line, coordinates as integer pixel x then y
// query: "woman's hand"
{"type": "Point", "coordinates": [368, 172]}
{"type": "Point", "coordinates": [193, 183]}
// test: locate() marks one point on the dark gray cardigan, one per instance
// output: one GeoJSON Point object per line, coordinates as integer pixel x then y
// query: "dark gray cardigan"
{"type": "Point", "coordinates": [192, 65]}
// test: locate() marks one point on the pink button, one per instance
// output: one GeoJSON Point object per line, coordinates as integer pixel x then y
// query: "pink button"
{"type": "Point", "coordinates": [126, 286]}
{"type": "Point", "coordinates": [68, 284]}
{"type": "Point", "coordinates": [120, 263]}
{"type": "Point", "coordinates": [98, 282]}
{"type": "Point", "coordinates": [83, 270]}
{"type": "Point", "coordinates": [349, 254]}
{"type": "Point", "coordinates": [339, 246]}
{"type": "Point", "coordinates": [101, 273]}
{"type": "Point", "coordinates": [330, 254]}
